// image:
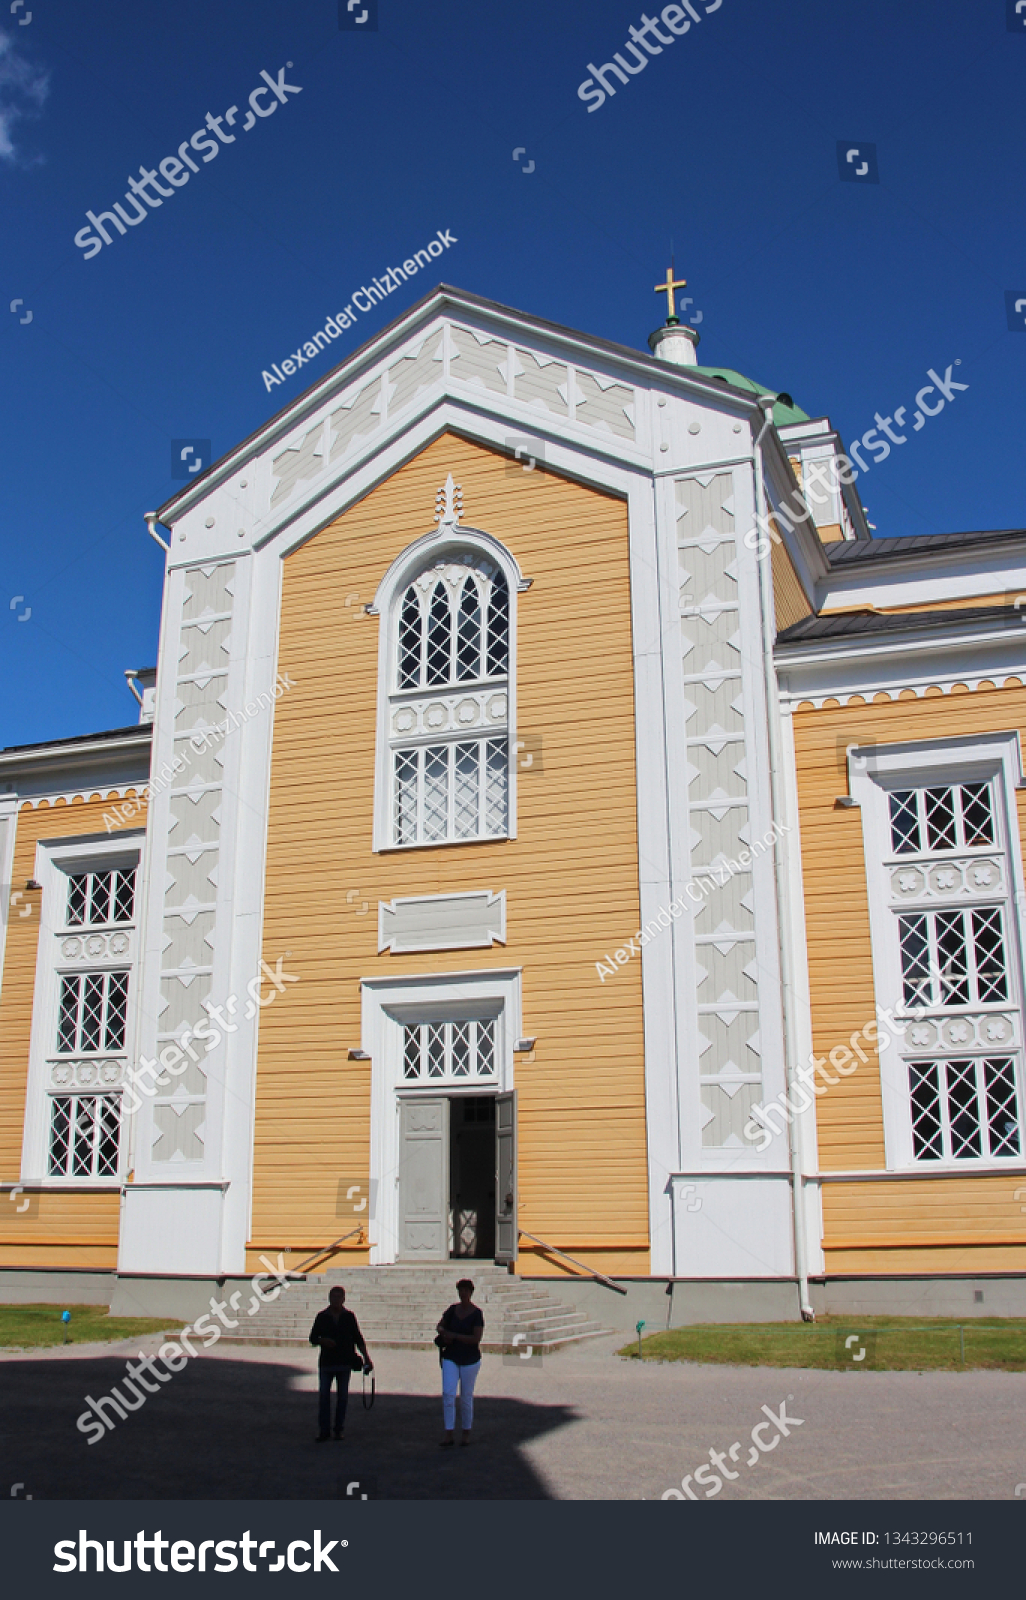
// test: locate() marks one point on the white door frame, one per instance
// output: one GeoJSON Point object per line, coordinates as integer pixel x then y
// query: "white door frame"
{"type": "Point", "coordinates": [386, 1004]}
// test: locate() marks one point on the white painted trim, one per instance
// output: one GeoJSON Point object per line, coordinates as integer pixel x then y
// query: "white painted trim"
{"type": "Point", "coordinates": [939, 576]}
{"type": "Point", "coordinates": [8, 836]}
{"type": "Point", "coordinates": [498, 322]}
{"type": "Point", "coordinates": [428, 549]}
{"type": "Point", "coordinates": [495, 902]}
{"type": "Point", "coordinates": [245, 796]}
{"type": "Point", "coordinates": [414, 559]}
{"type": "Point", "coordinates": [66, 757]}
{"type": "Point", "coordinates": [245, 812]}
{"type": "Point", "coordinates": [867, 664]}
{"type": "Point", "coordinates": [662, 836]}
{"type": "Point", "coordinates": [381, 999]}
{"type": "Point", "coordinates": [873, 772]}
{"type": "Point", "coordinates": [791, 846]}
{"type": "Point", "coordinates": [54, 859]}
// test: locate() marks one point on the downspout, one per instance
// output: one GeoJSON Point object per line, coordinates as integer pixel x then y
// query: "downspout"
{"type": "Point", "coordinates": [778, 809]}
{"type": "Point", "coordinates": [150, 519]}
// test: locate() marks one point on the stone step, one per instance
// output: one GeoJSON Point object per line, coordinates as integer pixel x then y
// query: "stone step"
{"type": "Point", "coordinates": [400, 1306]}
{"type": "Point", "coordinates": [293, 1310]}
{"type": "Point", "coordinates": [420, 1333]}
{"type": "Point", "coordinates": [438, 1271]}
{"type": "Point", "coordinates": [590, 1331]}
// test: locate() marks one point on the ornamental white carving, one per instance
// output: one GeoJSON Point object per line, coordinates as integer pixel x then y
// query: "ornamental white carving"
{"type": "Point", "coordinates": [95, 947]}
{"type": "Point", "coordinates": [105, 1074]}
{"type": "Point", "coordinates": [967, 1034]}
{"type": "Point", "coordinates": [970, 878]}
{"type": "Point", "coordinates": [450, 714]}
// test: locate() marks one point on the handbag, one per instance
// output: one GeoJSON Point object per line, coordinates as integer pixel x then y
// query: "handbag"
{"type": "Point", "coordinates": [373, 1387]}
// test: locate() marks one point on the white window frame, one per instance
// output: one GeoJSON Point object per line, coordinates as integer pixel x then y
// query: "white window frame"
{"type": "Point", "coordinates": [75, 1097]}
{"type": "Point", "coordinates": [448, 543]}
{"type": "Point", "coordinates": [389, 1003]}
{"type": "Point", "coordinates": [57, 860]}
{"type": "Point", "coordinates": [9, 908]}
{"type": "Point", "coordinates": [447, 1020]}
{"type": "Point", "coordinates": [874, 772]}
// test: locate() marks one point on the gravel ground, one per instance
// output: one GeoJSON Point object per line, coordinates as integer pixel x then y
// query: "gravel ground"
{"type": "Point", "coordinates": [239, 1423]}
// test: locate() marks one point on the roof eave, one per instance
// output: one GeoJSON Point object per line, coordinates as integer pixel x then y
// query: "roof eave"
{"type": "Point", "coordinates": [913, 560]}
{"type": "Point", "coordinates": [47, 757]}
{"type": "Point", "coordinates": [642, 366]}
{"type": "Point", "coordinates": [886, 641]}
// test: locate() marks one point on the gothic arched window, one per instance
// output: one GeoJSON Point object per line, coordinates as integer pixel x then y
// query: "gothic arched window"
{"type": "Point", "coordinates": [448, 703]}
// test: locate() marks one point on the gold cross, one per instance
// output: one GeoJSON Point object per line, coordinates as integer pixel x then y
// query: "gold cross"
{"type": "Point", "coordinates": [667, 289]}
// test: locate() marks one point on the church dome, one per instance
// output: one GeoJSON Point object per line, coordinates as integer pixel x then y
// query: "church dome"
{"type": "Point", "coordinates": [785, 411]}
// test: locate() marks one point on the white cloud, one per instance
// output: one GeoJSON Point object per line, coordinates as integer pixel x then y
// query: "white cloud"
{"type": "Point", "coordinates": [23, 89]}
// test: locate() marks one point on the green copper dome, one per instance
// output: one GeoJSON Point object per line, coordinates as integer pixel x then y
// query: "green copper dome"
{"type": "Point", "coordinates": [783, 415]}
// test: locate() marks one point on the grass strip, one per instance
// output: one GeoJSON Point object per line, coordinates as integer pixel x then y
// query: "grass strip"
{"type": "Point", "coordinates": [887, 1344]}
{"type": "Point", "coordinates": [34, 1327]}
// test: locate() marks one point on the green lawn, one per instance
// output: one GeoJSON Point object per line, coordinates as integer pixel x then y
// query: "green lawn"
{"type": "Point", "coordinates": [891, 1344]}
{"type": "Point", "coordinates": [30, 1327]}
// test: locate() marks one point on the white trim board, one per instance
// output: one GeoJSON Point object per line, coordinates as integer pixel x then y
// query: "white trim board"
{"type": "Point", "coordinates": [873, 772]}
{"type": "Point", "coordinates": [384, 1001]}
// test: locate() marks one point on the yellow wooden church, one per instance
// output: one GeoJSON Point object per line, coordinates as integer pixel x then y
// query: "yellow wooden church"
{"type": "Point", "coordinates": [556, 832]}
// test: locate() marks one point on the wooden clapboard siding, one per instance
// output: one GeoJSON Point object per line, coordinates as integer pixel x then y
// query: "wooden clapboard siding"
{"type": "Point", "coordinates": [571, 875]}
{"type": "Point", "coordinates": [790, 603]}
{"type": "Point", "coordinates": [71, 1228]}
{"type": "Point", "coordinates": [861, 1219]}
{"type": "Point", "coordinates": [61, 1228]}
{"type": "Point", "coordinates": [930, 1211]}
{"type": "Point", "coordinates": [970, 1259]}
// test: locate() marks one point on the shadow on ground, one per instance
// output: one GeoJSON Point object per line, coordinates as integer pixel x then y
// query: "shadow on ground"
{"type": "Point", "coordinates": [233, 1430]}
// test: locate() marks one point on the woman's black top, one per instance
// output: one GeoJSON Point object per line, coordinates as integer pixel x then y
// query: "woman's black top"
{"type": "Point", "coordinates": [456, 1320]}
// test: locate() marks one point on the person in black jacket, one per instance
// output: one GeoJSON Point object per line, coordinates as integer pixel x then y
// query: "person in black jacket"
{"type": "Point", "coordinates": [337, 1332]}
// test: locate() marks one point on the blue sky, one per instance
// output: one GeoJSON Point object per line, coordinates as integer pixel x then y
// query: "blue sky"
{"type": "Point", "coordinates": [844, 294]}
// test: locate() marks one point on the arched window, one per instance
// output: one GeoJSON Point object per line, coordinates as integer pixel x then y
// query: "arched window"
{"type": "Point", "coordinates": [448, 703]}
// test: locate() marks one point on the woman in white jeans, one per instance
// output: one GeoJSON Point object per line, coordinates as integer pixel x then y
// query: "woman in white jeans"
{"type": "Point", "coordinates": [460, 1330]}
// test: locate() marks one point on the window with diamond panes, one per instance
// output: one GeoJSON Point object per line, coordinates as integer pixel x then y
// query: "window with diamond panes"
{"type": "Point", "coordinates": [957, 974]}
{"type": "Point", "coordinates": [84, 1136]}
{"type": "Point", "coordinates": [953, 958]}
{"type": "Point", "coordinates": [92, 1011]}
{"type": "Point", "coordinates": [451, 791]}
{"type": "Point", "coordinates": [456, 1052]}
{"type": "Point", "coordinates": [955, 817]}
{"type": "Point", "coordinates": [964, 1109]}
{"type": "Point", "coordinates": [452, 634]}
{"type": "Point", "coordinates": [454, 627]}
{"type": "Point", "coordinates": [96, 899]}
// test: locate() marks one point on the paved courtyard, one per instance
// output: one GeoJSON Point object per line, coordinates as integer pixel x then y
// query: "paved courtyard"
{"type": "Point", "coordinates": [239, 1423]}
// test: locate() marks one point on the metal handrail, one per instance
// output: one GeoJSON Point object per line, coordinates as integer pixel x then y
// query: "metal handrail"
{"type": "Point", "coordinates": [588, 1271]}
{"type": "Point", "coordinates": [328, 1249]}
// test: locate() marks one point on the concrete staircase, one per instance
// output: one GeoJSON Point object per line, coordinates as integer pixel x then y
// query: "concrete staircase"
{"type": "Point", "coordinates": [400, 1305]}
